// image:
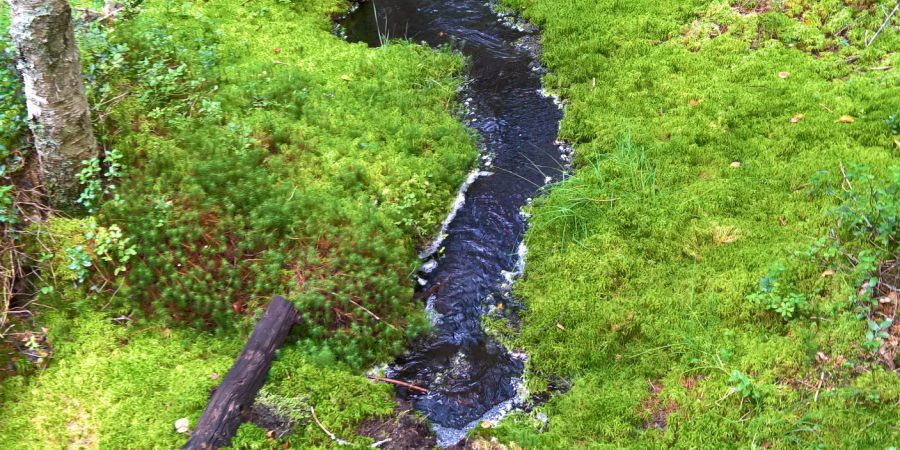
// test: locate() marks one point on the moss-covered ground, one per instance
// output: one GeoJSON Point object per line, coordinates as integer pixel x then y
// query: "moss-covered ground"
{"type": "Point", "coordinates": [247, 152]}
{"type": "Point", "coordinates": [712, 274]}
{"type": "Point", "coordinates": [711, 140]}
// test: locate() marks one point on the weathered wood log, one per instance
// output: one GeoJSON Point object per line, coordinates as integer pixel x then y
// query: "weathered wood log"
{"type": "Point", "coordinates": [230, 404]}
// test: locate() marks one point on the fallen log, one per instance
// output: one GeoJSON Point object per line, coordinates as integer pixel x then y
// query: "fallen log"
{"type": "Point", "coordinates": [230, 404]}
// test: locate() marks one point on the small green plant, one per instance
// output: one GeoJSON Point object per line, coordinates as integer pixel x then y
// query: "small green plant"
{"type": "Point", "coordinates": [79, 262]}
{"type": "Point", "coordinates": [876, 334]}
{"type": "Point", "coordinates": [745, 386]}
{"type": "Point", "coordinates": [770, 296]}
{"type": "Point", "coordinates": [90, 177]}
{"type": "Point", "coordinates": [893, 123]}
{"type": "Point", "coordinates": [110, 246]}
{"type": "Point", "coordinates": [104, 247]}
{"type": "Point", "coordinates": [7, 209]}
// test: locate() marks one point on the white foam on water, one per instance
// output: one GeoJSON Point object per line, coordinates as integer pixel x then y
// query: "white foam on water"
{"type": "Point", "coordinates": [447, 436]}
{"type": "Point", "coordinates": [457, 204]}
{"type": "Point", "coordinates": [428, 266]}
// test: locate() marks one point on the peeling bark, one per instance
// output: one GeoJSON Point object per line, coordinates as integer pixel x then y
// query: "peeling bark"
{"type": "Point", "coordinates": [58, 111]}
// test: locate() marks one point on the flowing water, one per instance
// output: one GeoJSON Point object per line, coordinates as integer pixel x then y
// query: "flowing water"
{"type": "Point", "coordinates": [469, 376]}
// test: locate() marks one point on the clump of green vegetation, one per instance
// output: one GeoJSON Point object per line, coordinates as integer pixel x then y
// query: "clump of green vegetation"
{"type": "Point", "coordinates": [733, 108]}
{"type": "Point", "coordinates": [259, 165]}
{"type": "Point", "coordinates": [301, 383]}
{"type": "Point", "coordinates": [112, 386]}
{"type": "Point", "coordinates": [234, 165]}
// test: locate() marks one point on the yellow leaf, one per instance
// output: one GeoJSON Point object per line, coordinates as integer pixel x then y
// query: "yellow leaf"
{"type": "Point", "coordinates": [845, 119]}
{"type": "Point", "coordinates": [345, 77]}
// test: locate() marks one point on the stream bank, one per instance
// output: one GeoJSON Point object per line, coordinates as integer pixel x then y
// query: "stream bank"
{"type": "Point", "coordinates": [469, 270]}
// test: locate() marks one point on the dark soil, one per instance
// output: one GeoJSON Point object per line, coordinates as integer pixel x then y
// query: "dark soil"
{"type": "Point", "coordinates": [405, 429]}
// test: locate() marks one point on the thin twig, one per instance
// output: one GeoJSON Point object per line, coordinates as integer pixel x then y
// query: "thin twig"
{"type": "Point", "coordinates": [399, 383]}
{"type": "Point", "coordinates": [371, 313]}
{"type": "Point", "coordinates": [383, 441]}
{"type": "Point", "coordinates": [330, 434]}
{"type": "Point", "coordinates": [886, 20]}
{"type": "Point", "coordinates": [844, 173]}
{"type": "Point", "coordinates": [819, 387]}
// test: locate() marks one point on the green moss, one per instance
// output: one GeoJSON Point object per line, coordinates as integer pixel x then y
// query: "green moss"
{"type": "Point", "coordinates": [341, 400]}
{"type": "Point", "coordinates": [287, 162]}
{"type": "Point", "coordinates": [283, 161]}
{"type": "Point", "coordinates": [692, 181]}
{"type": "Point", "coordinates": [112, 386]}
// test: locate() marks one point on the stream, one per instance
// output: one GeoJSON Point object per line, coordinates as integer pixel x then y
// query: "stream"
{"type": "Point", "coordinates": [469, 269]}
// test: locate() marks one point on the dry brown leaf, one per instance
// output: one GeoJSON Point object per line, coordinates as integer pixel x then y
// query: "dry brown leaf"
{"type": "Point", "coordinates": [845, 119]}
{"type": "Point", "coordinates": [693, 102]}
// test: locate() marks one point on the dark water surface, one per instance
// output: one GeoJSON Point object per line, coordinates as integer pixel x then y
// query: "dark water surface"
{"type": "Point", "coordinates": [469, 375]}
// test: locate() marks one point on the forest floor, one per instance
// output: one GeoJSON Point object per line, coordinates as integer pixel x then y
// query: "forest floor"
{"type": "Point", "coordinates": [720, 269]}
{"type": "Point", "coordinates": [248, 151]}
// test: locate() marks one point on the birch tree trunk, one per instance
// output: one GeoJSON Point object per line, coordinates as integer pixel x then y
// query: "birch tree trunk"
{"type": "Point", "coordinates": [59, 116]}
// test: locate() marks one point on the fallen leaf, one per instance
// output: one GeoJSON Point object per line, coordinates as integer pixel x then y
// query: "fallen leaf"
{"type": "Point", "coordinates": [559, 325]}
{"type": "Point", "coordinates": [827, 273]}
{"type": "Point", "coordinates": [182, 425]}
{"type": "Point", "coordinates": [845, 119]}
{"type": "Point", "coordinates": [345, 77]}
{"type": "Point", "coordinates": [796, 118]}
{"type": "Point", "coordinates": [822, 357]}
{"type": "Point", "coordinates": [277, 50]}
{"type": "Point", "coordinates": [693, 102]}
{"type": "Point", "coordinates": [782, 220]}
{"type": "Point", "coordinates": [784, 74]}
{"type": "Point", "coordinates": [486, 424]}
{"type": "Point", "coordinates": [897, 143]}
{"type": "Point", "coordinates": [270, 435]}
{"type": "Point", "coordinates": [735, 165]}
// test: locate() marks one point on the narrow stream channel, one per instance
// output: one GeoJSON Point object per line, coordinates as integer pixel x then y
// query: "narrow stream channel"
{"type": "Point", "coordinates": [471, 377]}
